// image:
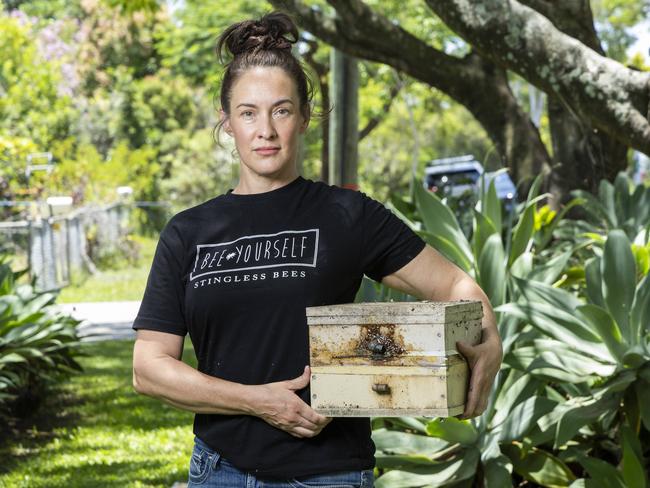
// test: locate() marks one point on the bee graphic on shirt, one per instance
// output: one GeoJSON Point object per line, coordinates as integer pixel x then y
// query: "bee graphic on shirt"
{"type": "Point", "coordinates": [230, 255]}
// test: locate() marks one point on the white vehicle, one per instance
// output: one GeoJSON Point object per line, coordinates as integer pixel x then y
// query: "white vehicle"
{"type": "Point", "coordinates": [457, 175]}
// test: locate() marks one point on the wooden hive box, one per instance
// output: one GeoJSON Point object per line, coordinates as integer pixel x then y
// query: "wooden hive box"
{"type": "Point", "coordinates": [391, 359]}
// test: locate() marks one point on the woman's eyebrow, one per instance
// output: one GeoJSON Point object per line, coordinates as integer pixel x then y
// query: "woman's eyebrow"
{"type": "Point", "coordinates": [279, 102]}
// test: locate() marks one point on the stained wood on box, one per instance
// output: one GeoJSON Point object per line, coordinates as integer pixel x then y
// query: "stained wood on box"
{"type": "Point", "coordinates": [391, 359]}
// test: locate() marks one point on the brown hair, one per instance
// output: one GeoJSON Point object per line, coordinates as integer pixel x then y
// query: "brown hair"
{"type": "Point", "coordinates": [262, 42]}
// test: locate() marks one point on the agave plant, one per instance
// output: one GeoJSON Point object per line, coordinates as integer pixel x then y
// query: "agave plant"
{"type": "Point", "coordinates": [597, 352]}
{"type": "Point", "coordinates": [37, 342]}
{"type": "Point", "coordinates": [619, 206]}
{"type": "Point", "coordinates": [451, 452]}
{"type": "Point", "coordinates": [487, 449]}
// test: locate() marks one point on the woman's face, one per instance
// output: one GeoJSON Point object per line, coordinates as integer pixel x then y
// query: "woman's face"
{"type": "Point", "coordinates": [266, 121]}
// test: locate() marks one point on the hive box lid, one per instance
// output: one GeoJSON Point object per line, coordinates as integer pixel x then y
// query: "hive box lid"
{"type": "Point", "coordinates": [402, 312]}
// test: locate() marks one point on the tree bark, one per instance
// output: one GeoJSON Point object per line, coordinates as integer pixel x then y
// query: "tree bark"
{"type": "Point", "coordinates": [581, 156]}
{"type": "Point", "coordinates": [474, 82]}
{"type": "Point", "coordinates": [601, 92]}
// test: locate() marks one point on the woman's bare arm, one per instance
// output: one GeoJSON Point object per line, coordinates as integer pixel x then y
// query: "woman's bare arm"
{"type": "Point", "coordinates": [159, 372]}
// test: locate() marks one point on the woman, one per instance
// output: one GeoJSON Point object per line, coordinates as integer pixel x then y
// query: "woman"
{"type": "Point", "coordinates": [237, 272]}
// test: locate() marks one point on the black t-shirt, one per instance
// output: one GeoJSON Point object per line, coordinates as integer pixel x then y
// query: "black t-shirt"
{"type": "Point", "coordinates": [237, 271]}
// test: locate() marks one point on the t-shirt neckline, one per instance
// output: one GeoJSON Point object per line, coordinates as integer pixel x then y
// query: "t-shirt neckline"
{"type": "Point", "coordinates": [254, 197]}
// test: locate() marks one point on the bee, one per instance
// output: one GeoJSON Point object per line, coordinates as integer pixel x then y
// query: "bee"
{"type": "Point", "coordinates": [230, 255]}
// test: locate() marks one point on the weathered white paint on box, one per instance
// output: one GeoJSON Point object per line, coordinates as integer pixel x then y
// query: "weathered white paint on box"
{"type": "Point", "coordinates": [391, 359]}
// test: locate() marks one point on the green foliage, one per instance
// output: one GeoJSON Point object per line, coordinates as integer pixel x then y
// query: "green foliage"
{"type": "Point", "coordinates": [95, 430]}
{"type": "Point", "coordinates": [38, 344]}
{"type": "Point", "coordinates": [619, 206]}
{"type": "Point", "coordinates": [613, 20]}
{"type": "Point", "coordinates": [31, 105]}
{"type": "Point", "coordinates": [574, 383]}
{"type": "Point", "coordinates": [188, 44]}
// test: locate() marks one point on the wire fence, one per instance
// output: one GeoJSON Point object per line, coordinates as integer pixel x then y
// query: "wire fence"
{"type": "Point", "coordinates": [56, 247]}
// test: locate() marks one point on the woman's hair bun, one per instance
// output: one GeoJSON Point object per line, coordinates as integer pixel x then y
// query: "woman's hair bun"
{"type": "Point", "coordinates": [269, 32]}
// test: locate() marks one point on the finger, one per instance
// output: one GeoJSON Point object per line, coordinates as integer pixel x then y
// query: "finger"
{"type": "Point", "coordinates": [300, 381]}
{"type": "Point", "coordinates": [304, 432]}
{"type": "Point", "coordinates": [466, 349]}
{"type": "Point", "coordinates": [313, 416]}
{"type": "Point", "coordinates": [472, 395]}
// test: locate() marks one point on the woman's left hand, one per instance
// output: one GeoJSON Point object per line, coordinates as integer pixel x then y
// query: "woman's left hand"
{"type": "Point", "coordinates": [484, 361]}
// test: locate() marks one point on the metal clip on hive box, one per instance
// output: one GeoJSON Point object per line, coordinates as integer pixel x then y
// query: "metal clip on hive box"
{"type": "Point", "coordinates": [391, 359]}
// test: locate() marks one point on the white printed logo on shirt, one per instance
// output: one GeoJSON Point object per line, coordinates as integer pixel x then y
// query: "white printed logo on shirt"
{"type": "Point", "coordinates": [261, 251]}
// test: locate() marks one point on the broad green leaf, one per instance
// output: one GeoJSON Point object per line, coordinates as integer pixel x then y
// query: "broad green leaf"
{"type": "Point", "coordinates": [515, 388]}
{"type": "Point", "coordinates": [402, 461]}
{"type": "Point", "coordinates": [523, 266]}
{"type": "Point", "coordinates": [642, 389]}
{"type": "Point", "coordinates": [483, 229]}
{"type": "Point", "coordinates": [492, 206]}
{"type": "Point", "coordinates": [523, 417]}
{"type": "Point", "coordinates": [533, 192]}
{"type": "Point", "coordinates": [618, 271]}
{"type": "Point", "coordinates": [594, 281]}
{"type": "Point", "coordinates": [548, 231]}
{"type": "Point", "coordinates": [569, 417]}
{"type": "Point", "coordinates": [550, 271]}
{"type": "Point", "coordinates": [622, 195]}
{"type": "Point", "coordinates": [593, 206]}
{"type": "Point", "coordinates": [635, 357]}
{"type": "Point", "coordinates": [602, 323]}
{"type": "Point", "coordinates": [539, 466]}
{"type": "Point", "coordinates": [443, 474]}
{"type": "Point", "coordinates": [522, 234]}
{"type": "Point", "coordinates": [448, 249]}
{"type": "Point", "coordinates": [606, 474]}
{"type": "Point", "coordinates": [452, 430]}
{"type": "Point", "coordinates": [633, 472]}
{"type": "Point", "coordinates": [497, 472]}
{"type": "Point", "coordinates": [492, 270]}
{"type": "Point", "coordinates": [640, 313]}
{"type": "Point", "coordinates": [549, 353]}
{"type": "Point", "coordinates": [558, 325]}
{"type": "Point", "coordinates": [606, 196]}
{"type": "Point", "coordinates": [541, 292]}
{"type": "Point", "coordinates": [580, 483]}
{"type": "Point", "coordinates": [410, 423]}
{"type": "Point", "coordinates": [396, 442]}
{"type": "Point", "coordinates": [439, 220]}
{"type": "Point", "coordinates": [12, 358]}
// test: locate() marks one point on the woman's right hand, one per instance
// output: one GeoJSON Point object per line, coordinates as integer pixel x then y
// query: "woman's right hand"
{"type": "Point", "coordinates": [281, 407]}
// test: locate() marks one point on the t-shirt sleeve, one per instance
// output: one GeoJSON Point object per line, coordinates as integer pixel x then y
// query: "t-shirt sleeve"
{"type": "Point", "coordinates": [162, 304]}
{"type": "Point", "coordinates": [387, 243]}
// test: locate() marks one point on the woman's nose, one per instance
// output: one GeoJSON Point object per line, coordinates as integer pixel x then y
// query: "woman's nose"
{"type": "Point", "coordinates": [266, 129]}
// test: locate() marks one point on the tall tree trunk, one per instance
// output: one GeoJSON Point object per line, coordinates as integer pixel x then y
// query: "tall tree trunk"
{"type": "Point", "coordinates": [582, 155]}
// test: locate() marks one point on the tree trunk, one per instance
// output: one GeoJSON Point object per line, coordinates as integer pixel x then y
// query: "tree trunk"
{"type": "Point", "coordinates": [473, 81]}
{"type": "Point", "coordinates": [582, 156]}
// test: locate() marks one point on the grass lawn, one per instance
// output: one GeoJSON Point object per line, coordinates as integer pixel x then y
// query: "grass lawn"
{"type": "Point", "coordinates": [96, 431]}
{"type": "Point", "coordinates": [124, 283]}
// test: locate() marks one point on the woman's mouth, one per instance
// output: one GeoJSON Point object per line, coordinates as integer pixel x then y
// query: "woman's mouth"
{"type": "Point", "coordinates": [267, 151]}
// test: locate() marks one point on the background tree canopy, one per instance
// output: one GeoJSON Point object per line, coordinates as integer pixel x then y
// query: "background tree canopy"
{"type": "Point", "coordinates": [90, 79]}
{"type": "Point", "coordinates": [597, 107]}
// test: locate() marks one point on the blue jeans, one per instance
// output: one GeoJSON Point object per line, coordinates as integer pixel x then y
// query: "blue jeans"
{"type": "Point", "coordinates": [209, 469]}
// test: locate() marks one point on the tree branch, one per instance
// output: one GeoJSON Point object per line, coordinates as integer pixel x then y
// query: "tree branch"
{"type": "Point", "coordinates": [475, 83]}
{"type": "Point", "coordinates": [604, 93]}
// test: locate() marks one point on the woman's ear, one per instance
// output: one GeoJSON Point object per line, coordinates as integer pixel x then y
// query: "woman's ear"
{"type": "Point", "coordinates": [305, 123]}
{"type": "Point", "coordinates": [226, 121]}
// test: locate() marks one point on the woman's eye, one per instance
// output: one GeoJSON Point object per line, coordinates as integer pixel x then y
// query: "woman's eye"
{"type": "Point", "coordinates": [247, 114]}
{"type": "Point", "coordinates": [282, 111]}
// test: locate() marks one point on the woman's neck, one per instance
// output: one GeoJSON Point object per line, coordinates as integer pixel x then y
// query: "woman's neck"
{"type": "Point", "coordinates": [252, 183]}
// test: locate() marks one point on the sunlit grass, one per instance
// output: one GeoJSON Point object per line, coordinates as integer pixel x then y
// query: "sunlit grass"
{"type": "Point", "coordinates": [125, 283]}
{"type": "Point", "coordinates": [95, 430]}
